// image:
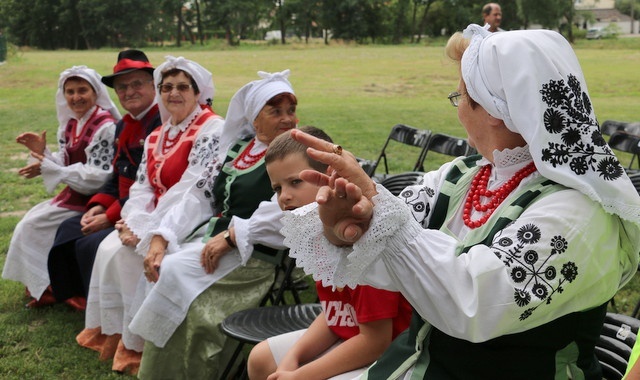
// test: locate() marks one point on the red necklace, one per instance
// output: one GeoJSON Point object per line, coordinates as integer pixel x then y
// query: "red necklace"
{"type": "Point", "coordinates": [479, 189]}
{"type": "Point", "coordinates": [168, 143]}
{"type": "Point", "coordinates": [246, 159]}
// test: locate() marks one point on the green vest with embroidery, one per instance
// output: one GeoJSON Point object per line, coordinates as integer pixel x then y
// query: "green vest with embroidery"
{"type": "Point", "coordinates": [238, 192]}
{"type": "Point", "coordinates": [549, 351]}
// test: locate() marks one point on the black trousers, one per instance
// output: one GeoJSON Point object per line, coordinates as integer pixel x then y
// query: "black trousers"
{"type": "Point", "coordinates": [71, 259]}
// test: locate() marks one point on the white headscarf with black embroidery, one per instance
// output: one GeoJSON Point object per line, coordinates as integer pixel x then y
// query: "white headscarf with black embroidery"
{"type": "Point", "coordinates": [532, 80]}
{"type": "Point", "coordinates": [200, 75]}
{"type": "Point", "coordinates": [103, 100]}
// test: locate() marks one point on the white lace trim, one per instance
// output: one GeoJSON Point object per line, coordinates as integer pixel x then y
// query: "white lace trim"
{"type": "Point", "coordinates": [509, 157]}
{"type": "Point", "coordinates": [303, 233]}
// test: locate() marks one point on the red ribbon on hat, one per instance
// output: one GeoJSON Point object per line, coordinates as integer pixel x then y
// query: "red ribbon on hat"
{"type": "Point", "coordinates": [125, 64]}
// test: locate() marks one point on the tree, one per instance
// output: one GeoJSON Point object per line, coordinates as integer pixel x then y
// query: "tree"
{"type": "Point", "coordinates": [238, 18]}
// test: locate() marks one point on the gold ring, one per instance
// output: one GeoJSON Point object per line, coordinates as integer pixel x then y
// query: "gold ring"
{"type": "Point", "coordinates": [337, 149]}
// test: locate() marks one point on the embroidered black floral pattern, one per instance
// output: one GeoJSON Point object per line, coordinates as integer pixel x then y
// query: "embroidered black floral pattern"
{"type": "Point", "coordinates": [419, 203]}
{"type": "Point", "coordinates": [531, 269]}
{"type": "Point", "coordinates": [580, 143]}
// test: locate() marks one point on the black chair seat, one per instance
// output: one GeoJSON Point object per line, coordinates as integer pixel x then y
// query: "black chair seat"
{"type": "Point", "coordinates": [255, 325]}
{"type": "Point", "coordinates": [616, 341]}
{"type": "Point", "coordinates": [398, 182]}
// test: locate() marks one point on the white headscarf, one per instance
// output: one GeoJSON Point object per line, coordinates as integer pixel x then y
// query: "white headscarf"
{"type": "Point", "coordinates": [247, 103]}
{"type": "Point", "coordinates": [531, 79]}
{"type": "Point", "coordinates": [200, 75]}
{"type": "Point", "coordinates": [91, 76]}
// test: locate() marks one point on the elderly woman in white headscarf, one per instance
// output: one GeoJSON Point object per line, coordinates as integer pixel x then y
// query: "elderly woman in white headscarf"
{"type": "Point", "coordinates": [199, 283]}
{"type": "Point", "coordinates": [175, 155]}
{"type": "Point", "coordinates": [509, 258]}
{"type": "Point", "coordinates": [86, 117]}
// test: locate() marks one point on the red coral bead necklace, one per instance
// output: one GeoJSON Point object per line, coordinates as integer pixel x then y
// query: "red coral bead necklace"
{"type": "Point", "coordinates": [495, 197]}
{"type": "Point", "coordinates": [246, 159]}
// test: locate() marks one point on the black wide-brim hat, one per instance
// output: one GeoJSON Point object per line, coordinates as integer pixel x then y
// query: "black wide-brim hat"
{"type": "Point", "coordinates": [128, 61]}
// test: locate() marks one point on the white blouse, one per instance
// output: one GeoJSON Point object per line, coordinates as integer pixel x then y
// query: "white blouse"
{"type": "Point", "coordinates": [85, 178]}
{"type": "Point", "coordinates": [563, 254]}
{"type": "Point", "coordinates": [140, 213]}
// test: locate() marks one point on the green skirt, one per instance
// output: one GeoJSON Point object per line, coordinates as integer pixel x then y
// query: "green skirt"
{"type": "Point", "coordinates": [198, 349]}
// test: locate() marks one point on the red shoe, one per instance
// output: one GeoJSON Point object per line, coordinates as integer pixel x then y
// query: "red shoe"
{"type": "Point", "coordinates": [46, 299]}
{"type": "Point", "coordinates": [77, 303]}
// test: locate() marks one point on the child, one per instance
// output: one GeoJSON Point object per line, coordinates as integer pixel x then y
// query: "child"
{"type": "Point", "coordinates": [355, 325]}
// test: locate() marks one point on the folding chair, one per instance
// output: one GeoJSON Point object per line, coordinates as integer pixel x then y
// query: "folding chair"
{"type": "Point", "coordinates": [252, 326]}
{"type": "Point", "coordinates": [398, 182]}
{"type": "Point", "coordinates": [616, 341]}
{"type": "Point", "coordinates": [609, 127]}
{"type": "Point", "coordinates": [283, 282]}
{"type": "Point", "coordinates": [447, 145]}
{"type": "Point", "coordinates": [403, 134]}
{"type": "Point", "coordinates": [626, 142]}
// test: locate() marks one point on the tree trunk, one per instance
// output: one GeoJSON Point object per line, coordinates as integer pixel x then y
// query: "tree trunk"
{"type": "Point", "coordinates": [199, 21]}
{"type": "Point", "coordinates": [179, 26]}
{"type": "Point", "coordinates": [413, 19]}
{"type": "Point", "coordinates": [423, 21]}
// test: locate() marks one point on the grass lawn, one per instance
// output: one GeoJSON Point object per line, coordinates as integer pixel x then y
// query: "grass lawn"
{"type": "Point", "coordinates": [355, 93]}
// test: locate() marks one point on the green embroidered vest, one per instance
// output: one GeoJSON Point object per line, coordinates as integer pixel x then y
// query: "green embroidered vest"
{"type": "Point", "coordinates": [549, 351]}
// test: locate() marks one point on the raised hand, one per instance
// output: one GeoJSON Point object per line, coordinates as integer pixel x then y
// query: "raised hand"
{"type": "Point", "coordinates": [344, 200]}
{"type": "Point", "coordinates": [34, 142]}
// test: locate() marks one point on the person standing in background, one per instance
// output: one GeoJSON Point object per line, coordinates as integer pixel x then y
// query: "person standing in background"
{"type": "Point", "coordinates": [492, 16]}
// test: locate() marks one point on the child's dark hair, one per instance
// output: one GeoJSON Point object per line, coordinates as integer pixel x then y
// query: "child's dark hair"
{"type": "Point", "coordinates": [284, 145]}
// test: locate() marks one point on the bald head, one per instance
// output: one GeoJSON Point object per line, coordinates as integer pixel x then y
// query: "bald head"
{"type": "Point", "coordinates": [492, 15]}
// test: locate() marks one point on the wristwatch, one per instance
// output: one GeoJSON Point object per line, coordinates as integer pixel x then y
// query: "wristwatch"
{"type": "Point", "coordinates": [227, 237]}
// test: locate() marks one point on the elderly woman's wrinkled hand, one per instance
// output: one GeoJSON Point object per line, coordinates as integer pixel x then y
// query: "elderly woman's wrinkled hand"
{"type": "Point", "coordinates": [213, 250]}
{"type": "Point", "coordinates": [127, 237]}
{"type": "Point", "coordinates": [345, 212]}
{"type": "Point", "coordinates": [154, 257]}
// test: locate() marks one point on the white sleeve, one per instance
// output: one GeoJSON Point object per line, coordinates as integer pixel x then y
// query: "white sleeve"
{"type": "Point", "coordinates": [187, 204]}
{"type": "Point", "coordinates": [84, 178]}
{"type": "Point", "coordinates": [263, 227]}
{"type": "Point", "coordinates": [563, 254]}
{"type": "Point", "coordinates": [137, 210]}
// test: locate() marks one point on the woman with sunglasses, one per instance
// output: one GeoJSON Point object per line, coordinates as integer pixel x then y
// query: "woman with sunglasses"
{"type": "Point", "coordinates": [175, 155]}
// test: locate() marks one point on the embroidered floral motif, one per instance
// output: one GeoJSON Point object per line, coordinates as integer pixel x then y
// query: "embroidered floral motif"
{"type": "Point", "coordinates": [101, 154]}
{"type": "Point", "coordinates": [529, 266]}
{"type": "Point", "coordinates": [419, 206]}
{"type": "Point", "coordinates": [581, 144]}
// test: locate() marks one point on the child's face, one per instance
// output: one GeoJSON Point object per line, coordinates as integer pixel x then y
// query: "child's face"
{"type": "Point", "coordinates": [292, 192]}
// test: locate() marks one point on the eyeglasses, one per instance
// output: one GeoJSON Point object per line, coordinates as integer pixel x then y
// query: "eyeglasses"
{"type": "Point", "coordinates": [136, 85]}
{"type": "Point", "coordinates": [454, 98]}
{"type": "Point", "coordinates": [168, 87]}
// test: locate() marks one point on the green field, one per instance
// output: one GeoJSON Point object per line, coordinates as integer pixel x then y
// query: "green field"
{"type": "Point", "coordinates": [355, 93]}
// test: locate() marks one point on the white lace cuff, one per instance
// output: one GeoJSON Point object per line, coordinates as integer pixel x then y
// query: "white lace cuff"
{"type": "Point", "coordinates": [343, 266]}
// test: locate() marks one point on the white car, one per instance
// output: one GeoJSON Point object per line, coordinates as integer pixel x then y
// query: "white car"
{"type": "Point", "coordinates": [596, 33]}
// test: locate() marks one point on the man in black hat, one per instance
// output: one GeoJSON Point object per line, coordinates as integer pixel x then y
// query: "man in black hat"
{"type": "Point", "coordinates": [77, 239]}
